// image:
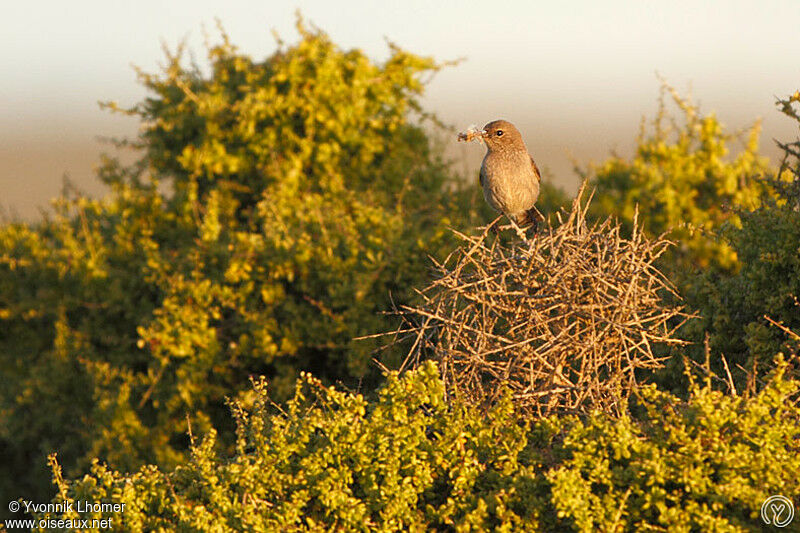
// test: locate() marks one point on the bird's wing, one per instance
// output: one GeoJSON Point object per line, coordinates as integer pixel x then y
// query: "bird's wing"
{"type": "Point", "coordinates": [535, 171]}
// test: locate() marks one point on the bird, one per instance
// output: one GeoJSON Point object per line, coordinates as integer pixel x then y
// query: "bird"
{"type": "Point", "coordinates": [509, 176]}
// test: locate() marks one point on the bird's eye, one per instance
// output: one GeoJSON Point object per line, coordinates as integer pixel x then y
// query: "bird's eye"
{"type": "Point", "coordinates": [499, 133]}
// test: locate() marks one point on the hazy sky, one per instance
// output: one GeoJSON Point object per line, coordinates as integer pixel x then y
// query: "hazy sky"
{"type": "Point", "coordinates": [576, 77]}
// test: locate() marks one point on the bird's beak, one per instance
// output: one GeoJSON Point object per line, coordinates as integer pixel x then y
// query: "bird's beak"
{"type": "Point", "coordinates": [483, 133]}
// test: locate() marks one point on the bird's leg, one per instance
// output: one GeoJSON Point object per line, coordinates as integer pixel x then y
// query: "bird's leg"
{"type": "Point", "coordinates": [520, 233]}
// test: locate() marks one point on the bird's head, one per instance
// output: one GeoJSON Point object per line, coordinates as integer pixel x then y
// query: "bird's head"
{"type": "Point", "coordinates": [502, 135]}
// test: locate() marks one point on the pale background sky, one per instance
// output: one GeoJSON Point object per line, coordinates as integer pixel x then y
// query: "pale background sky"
{"type": "Point", "coordinates": [576, 77]}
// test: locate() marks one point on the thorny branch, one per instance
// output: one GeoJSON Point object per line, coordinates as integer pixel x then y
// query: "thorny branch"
{"type": "Point", "coordinates": [563, 319]}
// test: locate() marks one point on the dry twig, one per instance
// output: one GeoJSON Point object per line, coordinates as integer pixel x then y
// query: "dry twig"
{"type": "Point", "coordinates": [563, 320]}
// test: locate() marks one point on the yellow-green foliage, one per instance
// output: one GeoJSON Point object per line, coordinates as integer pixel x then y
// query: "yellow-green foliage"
{"type": "Point", "coordinates": [684, 182]}
{"type": "Point", "coordinates": [734, 306]}
{"type": "Point", "coordinates": [278, 207]}
{"type": "Point", "coordinates": [311, 117]}
{"type": "Point", "coordinates": [409, 462]}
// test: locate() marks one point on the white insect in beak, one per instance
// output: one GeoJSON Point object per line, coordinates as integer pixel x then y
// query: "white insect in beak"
{"type": "Point", "coordinates": [471, 134]}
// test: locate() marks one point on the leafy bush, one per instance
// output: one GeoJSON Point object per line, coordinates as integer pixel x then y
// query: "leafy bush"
{"type": "Point", "coordinates": [409, 461]}
{"type": "Point", "coordinates": [278, 207]}
{"type": "Point", "coordinates": [736, 308]}
{"type": "Point", "coordinates": [735, 229]}
{"type": "Point", "coordinates": [684, 184]}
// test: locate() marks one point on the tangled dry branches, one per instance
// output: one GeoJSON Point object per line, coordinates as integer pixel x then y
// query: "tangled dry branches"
{"type": "Point", "coordinates": [564, 319]}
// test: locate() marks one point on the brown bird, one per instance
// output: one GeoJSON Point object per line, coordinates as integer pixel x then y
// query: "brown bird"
{"type": "Point", "coordinates": [509, 176]}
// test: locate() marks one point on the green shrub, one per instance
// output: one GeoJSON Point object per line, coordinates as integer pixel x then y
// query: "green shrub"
{"type": "Point", "coordinates": [734, 306]}
{"type": "Point", "coordinates": [684, 183]}
{"type": "Point", "coordinates": [278, 208]}
{"type": "Point", "coordinates": [408, 461]}
{"type": "Point", "coordinates": [735, 226]}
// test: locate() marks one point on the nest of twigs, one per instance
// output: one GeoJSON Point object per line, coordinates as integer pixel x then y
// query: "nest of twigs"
{"type": "Point", "coordinates": [565, 320]}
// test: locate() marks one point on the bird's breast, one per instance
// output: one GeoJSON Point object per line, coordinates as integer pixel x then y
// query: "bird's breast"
{"type": "Point", "coordinates": [509, 182]}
